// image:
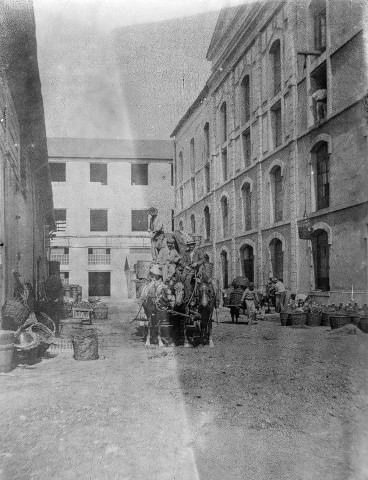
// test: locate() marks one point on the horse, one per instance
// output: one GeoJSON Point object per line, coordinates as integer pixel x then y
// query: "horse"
{"type": "Point", "coordinates": [155, 306]}
{"type": "Point", "coordinates": [196, 310]}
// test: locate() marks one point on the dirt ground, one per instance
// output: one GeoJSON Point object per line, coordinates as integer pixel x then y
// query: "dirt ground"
{"type": "Point", "coordinates": [266, 403]}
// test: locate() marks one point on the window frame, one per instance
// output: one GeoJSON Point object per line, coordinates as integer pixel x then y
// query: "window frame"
{"type": "Point", "coordinates": [135, 221]}
{"type": "Point", "coordinates": [276, 67]}
{"type": "Point", "coordinates": [97, 169]}
{"type": "Point", "coordinates": [140, 177]}
{"type": "Point", "coordinates": [52, 166]}
{"type": "Point", "coordinates": [91, 213]}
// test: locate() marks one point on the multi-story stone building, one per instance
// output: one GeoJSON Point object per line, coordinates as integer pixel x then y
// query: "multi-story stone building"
{"type": "Point", "coordinates": [271, 158]}
{"type": "Point", "coordinates": [102, 190]}
{"type": "Point", "coordinates": [26, 206]}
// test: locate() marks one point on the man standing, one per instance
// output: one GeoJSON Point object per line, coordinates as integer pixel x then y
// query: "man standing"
{"type": "Point", "coordinates": [193, 260]}
{"type": "Point", "coordinates": [156, 229]}
{"type": "Point", "coordinates": [280, 293]}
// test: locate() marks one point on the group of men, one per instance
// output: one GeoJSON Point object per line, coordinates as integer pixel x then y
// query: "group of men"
{"type": "Point", "coordinates": [170, 266]}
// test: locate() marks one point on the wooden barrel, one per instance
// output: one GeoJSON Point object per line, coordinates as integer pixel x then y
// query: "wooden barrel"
{"type": "Point", "coordinates": [143, 268]}
{"type": "Point", "coordinates": [6, 350]}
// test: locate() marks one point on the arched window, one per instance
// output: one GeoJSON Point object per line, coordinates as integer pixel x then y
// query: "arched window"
{"type": "Point", "coordinates": [277, 258]}
{"type": "Point", "coordinates": [323, 180]}
{"type": "Point", "coordinates": [224, 269]}
{"type": "Point", "coordinates": [321, 257]}
{"type": "Point", "coordinates": [245, 99]}
{"type": "Point", "coordinates": [318, 10]}
{"type": "Point", "coordinates": [247, 206]}
{"type": "Point", "coordinates": [207, 222]}
{"type": "Point", "coordinates": [225, 216]}
{"type": "Point", "coordinates": [192, 156]}
{"type": "Point", "coordinates": [278, 196]}
{"type": "Point", "coordinates": [181, 226]}
{"type": "Point", "coordinates": [193, 223]}
{"type": "Point", "coordinates": [206, 132]}
{"type": "Point", "coordinates": [247, 261]}
{"type": "Point", "coordinates": [223, 122]}
{"type": "Point", "coordinates": [275, 56]}
{"type": "Point", "coordinates": [180, 167]}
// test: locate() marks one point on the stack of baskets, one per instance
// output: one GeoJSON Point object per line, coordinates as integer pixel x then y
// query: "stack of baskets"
{"type": "Point", "coordinates": [100, 311]}
{"type": "Point", "coordinates": [340, 319]}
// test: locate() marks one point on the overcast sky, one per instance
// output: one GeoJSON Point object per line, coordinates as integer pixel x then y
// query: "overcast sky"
{"type": "Point", "coordinates": [121, 69]}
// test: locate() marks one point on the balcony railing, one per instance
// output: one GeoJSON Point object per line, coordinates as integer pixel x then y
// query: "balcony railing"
{"type": "Point", "coordinates": [63, 258]}
{"type": "Point", "coordinates": [99, 259]}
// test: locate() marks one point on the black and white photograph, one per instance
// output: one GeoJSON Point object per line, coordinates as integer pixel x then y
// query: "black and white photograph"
{"type": "Point", "coordinates": [183, 240]}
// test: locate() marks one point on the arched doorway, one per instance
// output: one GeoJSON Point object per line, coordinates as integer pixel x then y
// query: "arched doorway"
{"type": "Point", "coordinates": [277, 258]}
{"type": "Point", "coordinates": [224, 269]}
{"type": "Point", "coordinates": [247, 261]}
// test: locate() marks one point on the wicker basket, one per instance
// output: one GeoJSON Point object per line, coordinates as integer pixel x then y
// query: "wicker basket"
{"type": "Point", "coordinates": [339, 320]}
{"type": "Point", "coordinates": [314, 317]}
{"type": "Point", "coordinates": [363, 323]}
{"type": "Point", "coordinates": [14, 313]}
{"type": "Point", "coordinates": [284, 317]}
{"type": "Point", "coordinates": [325, 320]}
{"type": "Point", "coordinates": [100, 311]}
{"type": "Point", "coordinates": [45, 335]}
{"type": "Point", "coordinates": [298, 318]}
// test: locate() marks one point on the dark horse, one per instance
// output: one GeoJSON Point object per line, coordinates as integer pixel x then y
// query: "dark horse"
{"type": "Point", "coordinates": [196, 311]}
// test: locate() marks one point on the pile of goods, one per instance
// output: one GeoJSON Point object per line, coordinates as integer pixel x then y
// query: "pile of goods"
{"type": "Point", "coordinates": [334, 316]}
{"type": "Point", "coordinates": [72, 298]}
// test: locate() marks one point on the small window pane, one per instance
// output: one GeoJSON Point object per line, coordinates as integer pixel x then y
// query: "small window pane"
{"type": "Point", "coordinates": [58, 172]}
{"type": "Point", "coordinates": [139, 173]}
{"type": "Point", "coordinates": [139, 220]}
{"type": "Point", "coordinates": [98, 173]}
{"type": "Point", "coordinates": [98, 219]}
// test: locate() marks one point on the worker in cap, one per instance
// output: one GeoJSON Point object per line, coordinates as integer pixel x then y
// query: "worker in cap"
{"type": "Point", "coordinates": [172, 259]}
{"type": "Point", "coordinates": [156, 229]}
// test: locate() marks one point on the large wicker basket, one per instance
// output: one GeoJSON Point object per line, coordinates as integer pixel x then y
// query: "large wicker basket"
{"type": "Point", "coordinates": [284, 318]}
{"type": "Point", "coordinates": [298, 318]}
{"type": "Point", "coordinates": [14, 314]}
{"type": "Point", "coordinates": [338, 320]}
{"type": "Point", "coordinates": [100, 311]}
{"type": "Point", "coordinates": [314, 317]}
{"type": "Point", "coordinates": [363, 323]}
{"type": "Point", "coordinates": [325, 320]}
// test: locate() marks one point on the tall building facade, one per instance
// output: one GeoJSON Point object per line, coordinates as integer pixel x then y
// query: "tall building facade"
{"type": "Point", "coordinates": [271, 158]}
{"type": "Point", "coordinates": [102, 191]}
{"type": "Point", "coordinates": [26, 205]}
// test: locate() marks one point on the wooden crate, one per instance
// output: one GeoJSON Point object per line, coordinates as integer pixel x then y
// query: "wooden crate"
{"type": "Point", "coordinates": [84, 314]}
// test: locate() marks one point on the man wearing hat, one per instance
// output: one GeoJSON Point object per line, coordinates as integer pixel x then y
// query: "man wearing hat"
{"type": "Point", "coordinates": [193, 260]}
{"type": "Point", "coordinates": [156, 229]}
{"type": "Point", "coordinates": [172, 258]}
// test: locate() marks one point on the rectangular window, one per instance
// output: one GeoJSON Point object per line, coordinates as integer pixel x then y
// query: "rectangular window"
{"type": "Point", "coordinates": [207, 177]}
{"type": "Point", "coordinates": [172, 174]}
{"type": "Point", "coordinates": [278, 196]}
{"type": "Point", "coordinates": [323, 173]}
{"type": "Point", "coordinates": [224, 165]}
{"type": "Point", "coordinates": [181, 194]}
{"type": "Point", "coordinates": [206, 141]}
{"type": "Point", "coordinates": [320, 30]}
{"type": "Point", "coordinates": [99, 256]}
{"type": "Point", "coordinates": [98, 220]}
{"type": "Point", "coordinates": [60, 219]}
{"type": "Point", "coordinates": [247, 149]}
{"type": "Point", "coordinates": [247, 199]}
{"type": "Point", "coordinates": [58, 172]}
{"type": "Point", "coordinates": [139, 173]}
{"type": "Point", "coordinates": [99, 284]}
{"type": "Point", "coordinates": [172, 220]}
{"type": "Point", "coordinates": [192, 182]}
{"type": "Point", "coordinates": [60, 254]}
{"type": "Point", "coordinates": [98, 173]}
{"type": "Point", "coordinates": [276, 125]}
{"type": "Point", "coordinates": [139, 220]}
{"type": "Point", "coordinates": [319, 92]}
